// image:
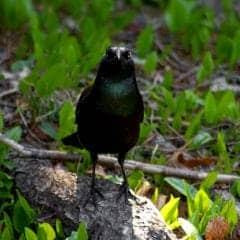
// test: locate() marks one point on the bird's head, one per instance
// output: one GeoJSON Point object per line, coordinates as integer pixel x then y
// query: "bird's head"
{"type": "Point", "coordinates": [117, 63]}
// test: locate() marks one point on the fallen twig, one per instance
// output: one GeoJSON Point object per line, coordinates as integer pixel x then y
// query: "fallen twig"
{"type": "Point", "coordinates": [8, 92]}
{"type": "Point", "coordinates": [106, 160]}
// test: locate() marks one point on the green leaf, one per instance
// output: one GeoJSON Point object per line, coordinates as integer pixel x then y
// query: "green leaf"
{"type": "Point", "coordinates": [135, 179]}
{"type": "Point", "coordinates": [180, 186]}
{"type": "Point", "coordinates": [51, 80]}
{"type": "Point", "coordinates": [194, 126]}
{"type": "Point", "coordinates": [210, 109]}
{"type": "Point", "coordinates": [21, 64]}
{"type": "Point", "coordinates": [190, 230]}
{"type": "Point", "coordinates": [59, 229]}
{"type": "Point", "coordinates": [48, 128]}
{"type": "Point", "coordinates": [230, 213]}
{"type": "Point", "coordinates": [209, 181]}
{"type": "Point", "coordinates": [66, 120]}
{"type": "Point", "coordinates": [224, 48]}
{"type": "Point", "coordinates": [45, 232]}
{"type": "Point", "coordinates": [202, 202]}
{"type": "Point", "coordinates": [206, 68]}
{"type": "Point", "coordinates": [222, 152]}
{"type": "Point", "coordinates": [169, 99]}
{"type": "Point", "coordinates": [145, 130]}
{"type": "Point", "coordinates": [6, 235]}
{"type": "Point", "coordinates": [228, 107]}
{"type": "Point", "coordinates": [151, 62]}
{"type": "Point", "coordinates": [235, 188]}
{"type": "Point", "coordinates": [201, 138]}
{"type": "Point", "coordinates": [145, 41]}
{"type": "Point", "coordinates": [177, 15]}
{"type": "Point", "coordinates": [168, 80]}
{"type": "Point", "coordinates": [1, 121]}
{"type": "Point", "coordinates": [170, 210]}
{"type": "Point", "coordinates": [155, 195]}
{"type": "Point", "coordinates": [14, 133]}
{"type": "Point", "coordinates": [30, 234]}
{"type": "Point", "coordinates": [8, 225]}
{"type": "Point", "coordinates": [23, 214]}
{"type": "Point", "coordinates": [73, 236]}
{"type": "Point", "coordinates": [82, 232]}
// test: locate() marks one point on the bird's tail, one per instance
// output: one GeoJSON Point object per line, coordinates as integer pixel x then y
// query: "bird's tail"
{"type": "Point", "coordinates": [73, 140]}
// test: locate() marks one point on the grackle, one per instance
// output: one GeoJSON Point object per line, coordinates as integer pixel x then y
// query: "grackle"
{"type": "Point", "coordinates": [109, 113]}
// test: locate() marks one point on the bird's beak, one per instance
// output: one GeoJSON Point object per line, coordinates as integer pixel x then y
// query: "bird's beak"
{"type": "Point", "coordinates": [118, 53]}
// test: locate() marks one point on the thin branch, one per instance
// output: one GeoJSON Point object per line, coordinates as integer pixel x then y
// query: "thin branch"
{"type": "Point", "coordinates": [8, 92]}
{"type": "Point", "coordinates": [106, 160]}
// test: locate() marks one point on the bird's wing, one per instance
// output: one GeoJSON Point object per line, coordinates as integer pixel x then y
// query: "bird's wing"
{"type": "Point", "coordinates": [141, 108]}
{"type": "Point", "coordinates": [85, 93]}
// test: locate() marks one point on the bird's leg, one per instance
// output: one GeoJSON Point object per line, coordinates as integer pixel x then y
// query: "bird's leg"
{"type": "Point", "coordinates": [93, 191]}
{"type": "Point", "coordinates": [124, 189]}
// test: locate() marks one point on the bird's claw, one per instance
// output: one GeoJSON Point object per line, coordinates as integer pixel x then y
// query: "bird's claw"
{"type": "Point", "coordinates": [125, 191]}
{"type": "Point", "coordinates": [92, 197]}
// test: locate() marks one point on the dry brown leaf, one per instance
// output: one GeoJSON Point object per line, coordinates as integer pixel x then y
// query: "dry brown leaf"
{"type": "Point", "coordinates": [217, 229]}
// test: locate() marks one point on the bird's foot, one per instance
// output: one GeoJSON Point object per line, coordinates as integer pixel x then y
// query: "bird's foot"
{"type": "Point", "coordinates": [92, 197]}
{"type": "Point", "coordinates": [124, 190]}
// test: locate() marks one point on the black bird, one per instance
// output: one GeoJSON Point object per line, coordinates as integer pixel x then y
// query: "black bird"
{"type": "Point", "coordinates": [109, 113]}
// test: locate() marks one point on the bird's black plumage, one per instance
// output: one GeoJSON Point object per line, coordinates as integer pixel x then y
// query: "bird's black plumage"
{"type": "Point", "coordinates": [109, 113]}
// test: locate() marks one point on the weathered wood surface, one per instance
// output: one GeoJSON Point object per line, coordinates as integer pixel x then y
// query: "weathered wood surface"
{"type": "Point", "coordinates": [61, 193]}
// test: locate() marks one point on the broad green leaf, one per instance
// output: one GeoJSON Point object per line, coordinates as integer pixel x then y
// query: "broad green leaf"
{"type": "Point", "coordinates": [206, 68]}
{"type": "Point", "coordinates": [135, 179]}
{"type": "Point", "coordinates": [180, 185]}
{"type": "Point", "coordinates": [51, 80]}
{"type": "Point", "coordinates": [177, 15]}
{"type": "Point", "coordinates": [222, 152]}
{"type": "Point", "coordinates": [202, 202]}
{"type": "Point", "coordinates": [155, 195]}
{"type": "Point", "coordinates": [210, 109]}
{"type": "Point", "coordinates": [201, 138]}
{"type": "Point", "coordinates": [8, 225]}
{"type": "Point", "coordinates": [21, 64]}
{"type": "Point", "coordinates": [1, 121]}
{"type": "Point", "coordinates": [228, 107]}
{"type": "Point", "coordinates": [59, 228]}
{"type": "Point", "coordinates": [5, 234]}
{"type": "Point", "coordinates": [26, 207]}
{"type": "Point", "coordinates": [14, 133]}
{"type": "Point", "coordinates": [209, 181]}
{"type": "Point", "coordinates": [151, 62]}
{"type": "Point", "coordinates": [45, 232]}
{"type": "Point", "coordinates": [66, 120]}
{"type": "Point", "coordinates": [21, 219]}
{"type": "Point", "coordinates": [23, 214]}
{"type": "Point", "coordinates": [190, 230]}
{"type": "Point", "coordinates": [73, 236]}
{"type": "Point", "coordinates": [48, 128]}
{"type": "Point", "coordinates": [229, 211]}
{"type": "Point", "coordinates": [145, 41]}
{"type": "Point", "coordinates": [170, 210]}
{"type": "Point", "coordinates": [224, 48]}
{"type": "Point", "coordinates": [169, 99]}
{"type": "Point", "coordinates": [194, 126]}
{"type": "Point", "coordinates": [145, 130]}
{"type": "Point", "coordinates": [30, 234]}
{"type": "Point", "coordinates": [168, 80]}
{"type": "Point", "coordinates": [82, 232]}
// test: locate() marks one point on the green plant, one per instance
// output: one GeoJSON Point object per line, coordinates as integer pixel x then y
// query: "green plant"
{"type": "Point", "coordinates": [194, 22]}
{"type": "Point", "coordinates": [201, 209]}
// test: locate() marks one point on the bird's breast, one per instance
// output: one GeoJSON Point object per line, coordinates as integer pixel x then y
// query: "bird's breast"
{"type": "Point", "coordinates": [118, 99]}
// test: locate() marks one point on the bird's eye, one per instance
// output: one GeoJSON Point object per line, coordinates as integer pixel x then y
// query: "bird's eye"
{"type": "Point", "coordinates": [127, 54]}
